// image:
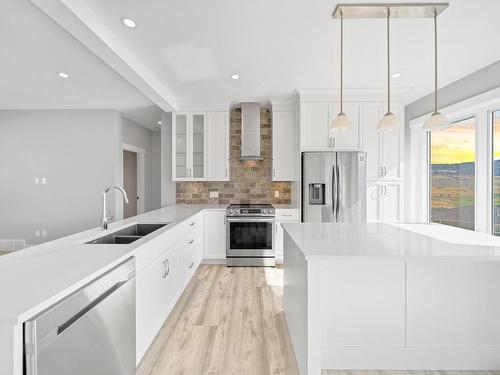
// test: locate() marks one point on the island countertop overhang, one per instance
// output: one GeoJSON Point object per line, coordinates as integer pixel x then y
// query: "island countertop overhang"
{"type": "Point", "coordinates": [327, 241]}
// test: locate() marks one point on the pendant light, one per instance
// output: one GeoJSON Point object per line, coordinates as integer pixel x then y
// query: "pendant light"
{"type": "Point", "coordinates": [390, 120]}
{"type": "Point", "coordinates": [437, 120]}
{"type": "Point", "coordinates": [342, 122]}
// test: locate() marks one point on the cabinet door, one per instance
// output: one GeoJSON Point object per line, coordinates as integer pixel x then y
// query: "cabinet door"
{"type": "Point", "coordinates": [170, 280]}
{"type": "Point", "coordinates": [149, 309]}
{"type": "Point", "coordinates": [180, 146]}
{"type": "Point", "coordinates": [390, 200]}
{"type": "Point", "coordinates": [391, 151]}
{"type": "Point", "coordinates": [188, 260]}
{"type": "Point", "coordinates": [217, 146]}
{"type": "Point", "coordinates": [283, 145]}
{"type": "Point", "coordinates": [278, 240]}
{"type": "Point", "coordinates": [198, 132]}
{"type": "Point", "coordinates": [314, 126]}
{"type": "Point", "coordinates": [215, 234]}
{"type": "Point", "coordinates": [372, 203]}
{"type": "Point", "coordinates": [349, 139]}
{"type": "Point", "coordinates": [370, 114]}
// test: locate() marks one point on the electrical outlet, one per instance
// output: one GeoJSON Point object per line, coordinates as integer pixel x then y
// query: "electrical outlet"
{"type": "Point", "coordinates": [44, 233]}
{"type": "Point", "coordinates": [37, 180]}
{"type": "Point", "coordinates": [44, 180]}
{"type": "Point", "coordinates": [276, 194]}
{"type": "Point", "coordinates": [37, 233]}
{"type": "Point", "coordinates": [214, 194]}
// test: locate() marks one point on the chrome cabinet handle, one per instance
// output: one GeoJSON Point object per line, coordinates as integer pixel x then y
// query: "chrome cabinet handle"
{"type": "Point", "coordinates": [191, 241]}
{"type": "Point", "coordinates": [167, 263]}
{"type": "Point", "coordinates": [191, 265]}
{"type": "Point", "coordinates": [381, 171]}
{"type": "Point", "coordinates": [334, 183]}
{"type": "Point", "coordinates": [164, 271]}
{"type": "Point", "coordinates": [338, 190]}
{"type": "Point", "coordinates": [192, 224]}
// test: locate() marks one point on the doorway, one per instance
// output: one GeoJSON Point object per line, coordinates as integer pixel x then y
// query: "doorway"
{"type": "Point", "coordinates": [133, 180]}
{"type": "Point", "coordinates": [130, 183]}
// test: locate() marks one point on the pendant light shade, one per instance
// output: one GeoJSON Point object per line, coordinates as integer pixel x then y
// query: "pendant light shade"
{"type": "Point", "coordinates": [390, 121]}
{"type": "Point", "coordinates": [437, 120]}
{"type": "Point", "coordinates": [342, 122]}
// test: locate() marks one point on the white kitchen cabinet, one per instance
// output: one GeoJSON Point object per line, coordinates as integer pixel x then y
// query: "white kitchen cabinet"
{"type": "Point", "coordinates": [156, 291]}
{"type": "Point", "coordinates": [189, 146]}
{"type": "Point", "coordinates": [384, 202]}
{"type": "Point", "coordinates": [283, 125]}
{"type": "Point", "coordinates": [282, 216]}
{"type": "Point", "coordinates": [372, 203]}
{"type": "Point", "coordinates": [384, 149]}
{"type": "Point", "coordinates": [315, 127]}
{"type": "Point", "coordinates": [349, 139]}
{"type": "Point", "coordinates": [217, 146]}
{"type": "Point", "coordinates": [215, 234]}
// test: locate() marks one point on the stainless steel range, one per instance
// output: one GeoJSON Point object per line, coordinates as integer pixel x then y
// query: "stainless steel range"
{"type": "Point", "coordinates": [250, 235]}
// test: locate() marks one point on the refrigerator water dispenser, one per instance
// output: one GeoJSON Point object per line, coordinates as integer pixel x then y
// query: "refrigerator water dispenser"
{"type": "Point", "coordinates": [317, 194]}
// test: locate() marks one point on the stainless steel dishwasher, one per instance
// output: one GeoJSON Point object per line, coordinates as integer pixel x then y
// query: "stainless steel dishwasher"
{"type": "Point", "coordinates": [92, 331]}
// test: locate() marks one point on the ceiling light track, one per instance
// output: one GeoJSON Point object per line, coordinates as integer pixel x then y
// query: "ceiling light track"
{"type": "Point", "coordinates": [396, 10]}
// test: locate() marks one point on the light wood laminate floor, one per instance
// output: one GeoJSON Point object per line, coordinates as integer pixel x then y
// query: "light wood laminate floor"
{"type": "Point", "coordinates": [231, 321]}
{"type": "Point", "coordinates": [228, 321]}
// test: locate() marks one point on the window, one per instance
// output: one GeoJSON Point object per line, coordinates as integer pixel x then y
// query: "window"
{"type": "Point", "coordinates": [453, 174]}
{"type": "Point", "coordinates": [496, 172]}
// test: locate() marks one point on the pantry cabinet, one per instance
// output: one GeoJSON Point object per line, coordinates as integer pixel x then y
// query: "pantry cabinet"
{"type": "Point", "coordinates": [384, 202]}
{"type": "Point", "coordinates": [384, 149]}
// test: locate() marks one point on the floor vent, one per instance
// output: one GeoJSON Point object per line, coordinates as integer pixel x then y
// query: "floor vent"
{"type": "Point", "coordinates": [12, 245]}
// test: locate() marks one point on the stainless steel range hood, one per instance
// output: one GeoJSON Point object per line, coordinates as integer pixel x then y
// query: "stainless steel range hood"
{"type": "Point", "coordinates": [250, 131]}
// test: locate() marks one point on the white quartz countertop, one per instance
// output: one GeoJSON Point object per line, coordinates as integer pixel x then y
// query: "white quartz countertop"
{"type": "Point", "coordinates": [329, 240]}
{"type": "Point", "coordinates": [34, 278]}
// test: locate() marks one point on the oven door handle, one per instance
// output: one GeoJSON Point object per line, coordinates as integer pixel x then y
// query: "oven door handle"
{"type": "Point", "coordinates": [251, 219]}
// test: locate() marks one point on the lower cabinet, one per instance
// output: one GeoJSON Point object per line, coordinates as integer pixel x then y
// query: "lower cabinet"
{"type": "Point", "coordinates": [161, 282]}
{"type": "Point", "coordinates": [156, 291]}
{"type": "Point", "coordinates": [384, 202]}
{"type": "Point", "coordinates": [282, 216]}
{"type": "Point", "coordinates": [215, 234]}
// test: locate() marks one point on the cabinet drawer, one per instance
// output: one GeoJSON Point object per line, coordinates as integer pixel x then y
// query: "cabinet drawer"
{"type": "Point", "coordinates": [287, 215]}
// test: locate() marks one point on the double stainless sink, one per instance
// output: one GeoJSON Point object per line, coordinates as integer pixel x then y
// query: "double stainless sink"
{"type": "Point", "coordinates": [129, 234]}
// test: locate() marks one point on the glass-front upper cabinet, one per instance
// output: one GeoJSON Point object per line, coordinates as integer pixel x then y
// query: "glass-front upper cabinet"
{"type": "Point", "coordinates": [188, 146]}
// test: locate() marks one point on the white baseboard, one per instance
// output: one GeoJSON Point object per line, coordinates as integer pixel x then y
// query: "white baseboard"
{"type": "Point", "coordinates": [437, 358]}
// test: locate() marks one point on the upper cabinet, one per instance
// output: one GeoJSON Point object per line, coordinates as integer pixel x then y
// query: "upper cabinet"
{"type": "Point", "coordinates": [384, 149]}
{"type": "Point", "coordinates": [283, 126]}
{"type": "Point", "coordinates": [315, 119]}
{"type": "Point", "coordinates": [200, 146]}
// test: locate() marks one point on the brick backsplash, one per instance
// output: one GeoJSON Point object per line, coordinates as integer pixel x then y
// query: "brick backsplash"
{"type": "Point", "coordinates": [251, 182]}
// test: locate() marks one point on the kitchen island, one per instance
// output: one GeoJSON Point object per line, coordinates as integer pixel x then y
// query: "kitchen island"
{"type": "Point", "coordinates": [392, 297]}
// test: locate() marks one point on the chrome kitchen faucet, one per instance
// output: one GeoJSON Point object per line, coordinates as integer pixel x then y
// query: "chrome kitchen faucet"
{"type": "Point", "coordinates": [105, 219]}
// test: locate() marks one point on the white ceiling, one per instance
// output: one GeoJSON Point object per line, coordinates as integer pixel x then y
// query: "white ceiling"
{"type": "Point", "coordinates": [190, 48]}
{"type": "Point", "coordinates": [33, 48]}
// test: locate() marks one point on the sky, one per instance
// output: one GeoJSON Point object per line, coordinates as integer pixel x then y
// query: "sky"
{"type": "Point", "coordinates": [456, 144]}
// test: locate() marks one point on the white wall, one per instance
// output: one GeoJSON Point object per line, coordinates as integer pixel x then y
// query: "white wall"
{"type": "Point", "coordinates": [77, 151]}
{"type": "Point", "coordinates": [167, 185]}
{"type": "Point", "coordinates": [156, 170]}
{"type": "Point", "coordinates": [139, 136]}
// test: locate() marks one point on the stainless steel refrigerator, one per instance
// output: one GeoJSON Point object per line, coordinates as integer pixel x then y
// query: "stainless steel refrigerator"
{"type": "Point", "coordinates": [334, 187]}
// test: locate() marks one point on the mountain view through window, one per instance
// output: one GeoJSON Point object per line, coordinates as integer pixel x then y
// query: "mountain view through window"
{"type": "Point", "coordinates": [453, 172]}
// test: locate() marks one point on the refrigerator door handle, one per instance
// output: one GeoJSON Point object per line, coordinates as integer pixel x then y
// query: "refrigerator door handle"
{"type": "Point", "coordinates": [338, 192]}
{"type": "Point", "coordinates": [334, 188]}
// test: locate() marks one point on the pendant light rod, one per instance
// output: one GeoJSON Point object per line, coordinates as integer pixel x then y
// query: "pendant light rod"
{"type": "Point", "coordinates": [341, 62]}
{"type": "Point", "coordinates": [435, 64]}
{"type": "Point", "coordinates": [388, 62]}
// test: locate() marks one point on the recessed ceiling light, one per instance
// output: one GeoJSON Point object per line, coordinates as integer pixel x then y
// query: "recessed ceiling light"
{"type": "Point", "coordinates": [235, 76]}
{"type": "Point", "coordinates": [396, 75]}
{"type": "Point", "coordinates": [159, 122]}
{"type": "Point", "coordinates": [63, 75]}
{"type": "Point", "coordinates": [129, 22]}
